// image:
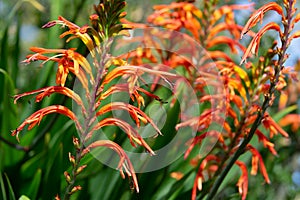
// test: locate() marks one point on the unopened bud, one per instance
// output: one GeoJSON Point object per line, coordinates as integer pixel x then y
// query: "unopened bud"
{"type": "Point", "coordinates": [67, 176]}
{"type": "Point", "coordinates": [80, 169]}
{"type": "Point", "coordinates": [71, 158]}
{"type": "Point", "coordinates": [76, 143]}
{"type": "Point", "coordinates": [75, 189]}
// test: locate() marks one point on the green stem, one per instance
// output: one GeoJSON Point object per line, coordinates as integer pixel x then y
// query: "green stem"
{"type": "Point", "coordinates": [88, 122]}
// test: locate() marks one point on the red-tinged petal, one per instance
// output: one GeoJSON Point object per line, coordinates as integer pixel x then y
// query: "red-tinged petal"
{"type": "Point", "coordinates": [44, 51]}
{"type": "Point", "coordinates": [124, 163]}
{"type": "Point", "coordinates": [226, 40]}
{"type": "Point", "coordinates": [135, 113]}
{"type": "Point", "coordinates": [262, 138]}
{"type": "Point", "coordinates": [68, 23]}
{"type": "Point", "coordinates": [36, 117]}
{"type": "Point", "coordinates": [269, 123]}
{"type": "Point", "coordinates": [294, 36]}
{"type": "Point", "coordinates": [297, 18]}
{"type": "Point", "coordinates": [128, 129]}
{"type": "Point", "coordinates": [217, 55]}
{"type": "Point", "coordinates": [50, 90]}
{"type": "Point", "coordinates": [257, 157]}
{"type": "Point", "coordinates": [199, 176]}
{"type": "Point", "coordinates": [258, 15]}
{"type": "Point", "coordinates": [254, 44]}
{"type": "Point", "coordinates": [61, 75]}
{"type": "Point", "coordinates": [198, 139]}
{"type": "Point", "coordinates": [243, 180]}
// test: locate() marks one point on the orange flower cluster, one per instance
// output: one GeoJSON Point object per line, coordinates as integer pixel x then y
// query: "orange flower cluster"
{"type": "Point", "coordinates": [247, 91]}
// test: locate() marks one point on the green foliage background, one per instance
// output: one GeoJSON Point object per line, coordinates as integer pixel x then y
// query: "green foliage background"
{"type": "Point", "coordinates": [37, 170]}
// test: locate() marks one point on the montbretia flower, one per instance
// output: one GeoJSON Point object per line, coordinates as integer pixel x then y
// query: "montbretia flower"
{"type": "Point", "coordinates": [274, 128]}
{"type": "Point", "coordinates": [67, 59]}
{"type": "Point", "coordinates": [291, 119]}
{"type": "Point", "coordinates": [257, 158]}
{"type": "Point", "coordinates": [124, 164]}
{"type": "Point", "coordinates": [243, 180]}
{"type": "Point", "coordinates": [207, 166]}
{"type": "Point", "coordinates": [128, 129]}
{"type": "Point", "coordinates": [259, 14]}
{"type": "Point", "coordinates": [75, 31]}
{"type": "Point", "coordinates": [262, 138]}
{"type": "Point", "coordinates": [37, 117]}
{"type": "Point", "coordinates": [254, 44]}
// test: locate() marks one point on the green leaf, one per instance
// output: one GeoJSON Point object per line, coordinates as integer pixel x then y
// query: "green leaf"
{"type": "Point", "coordinates": [2, 188]}
{"type": "Point", "coordinates": [34, 187]}
{"type": "Point", "coordinates": [11, 194]}
{"type": "Point", "coordinates": [10, 189]}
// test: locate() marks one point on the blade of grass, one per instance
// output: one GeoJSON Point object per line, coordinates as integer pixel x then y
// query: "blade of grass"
{"type": "Point", "coordinates": [2, 187]}
{"type": "Point", "coordinates": [10, 189]}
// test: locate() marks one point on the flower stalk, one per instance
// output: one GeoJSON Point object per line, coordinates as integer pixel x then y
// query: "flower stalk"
{"type": "Point", "coordinates": [266, 103]}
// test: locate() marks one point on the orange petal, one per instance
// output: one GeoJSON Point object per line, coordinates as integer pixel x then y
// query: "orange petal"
{"type": "Point", "coordinates": [243, 180]}
{"type": "Point", "coordinates": [124, 164]}
{"type": "Point", "coordinates": [36, 117]}
{"type": "Point", "coordinates": [254, 44]}
{"type": "Point", "coordinates": [258, 15]}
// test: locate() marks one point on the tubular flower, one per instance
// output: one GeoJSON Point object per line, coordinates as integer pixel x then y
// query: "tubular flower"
{"type": "Point", "coordinates": [129, 130]}
{"type": "Point", "coordinates": [256, 157]}
{"type": "Point", "coordinates": [243, 180]}
{"type": "Point", "coordinates": [291, 119]}
{"type": "Point", "coordinates": [254, 44]}
{"type": "Point", "coordinates": [207, 165]}
{"type": "Point", "coordinates": [67, 59]}
{"type": "Point", "coordinates": [124, 164]}
{"type": "Point", "coordinates": [262, 138]}
{"type": "Point", "coordinates": [94, 77]}
{"type": "Point", "coordinates": [37, 117]}
{"type": "Point", "coordinates": [259, 14]}
{"type": "Point", "coordinates": [274, 128]}
{"type": "Point", "coordinates": [75, 31]}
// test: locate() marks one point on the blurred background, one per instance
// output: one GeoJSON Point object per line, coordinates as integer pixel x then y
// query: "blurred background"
{"type": "Point", "coordinates": [35, 166]}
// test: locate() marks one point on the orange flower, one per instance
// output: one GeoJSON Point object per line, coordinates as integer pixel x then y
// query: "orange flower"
{"type": "Point", "coordinates": [136, 113]}
{"type": "Point", "coordinates": [200, 177]}
{"type": "Point", "coordinates": [226, 40]}
{"type": "Point", "coordinates": [124, 164]}
{"type": "Point", "coordinates": [243, 180]}
{"type": "Point", "coordinates": [274, 128]}
{"type": "Point", "coordinates": [254, 44]}
{"type": "Point", "coordinates": [256, 157]}
{"type": "Point", "coordinates": [262, 138]}
{"type": "Point", "coordinates": [37, 117]}
{"type": "Point", "coordinates": [258, 15]}
{"type": "Point", "coordinates": [198, 140]}
{"type": "Point", "coordinates": [129, 130]}
{"type": "Point", "coordinates": [293, 119]}
{"type": "Point", "coordinates": [75, 31]}
{"type": "Point", "coordinates": [70, 60]}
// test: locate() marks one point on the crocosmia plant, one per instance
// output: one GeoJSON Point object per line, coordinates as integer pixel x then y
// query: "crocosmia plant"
{"type": "Point", "coordinates": [190, 103]}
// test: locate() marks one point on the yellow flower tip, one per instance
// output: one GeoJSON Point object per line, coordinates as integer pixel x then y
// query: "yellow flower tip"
{"type": "Point", "coordinates": [75, 189]}
{"type": "Point", "coordinates": [123, 14]}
